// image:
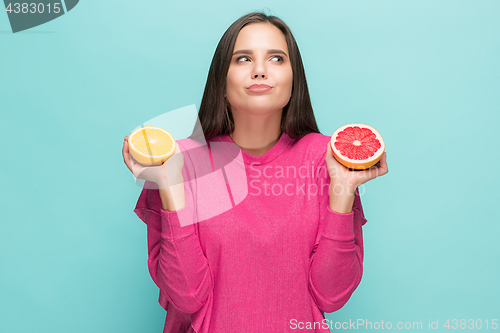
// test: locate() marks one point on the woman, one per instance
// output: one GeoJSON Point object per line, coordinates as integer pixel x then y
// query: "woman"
{"type": "Point", "coordinates": [292, 249]}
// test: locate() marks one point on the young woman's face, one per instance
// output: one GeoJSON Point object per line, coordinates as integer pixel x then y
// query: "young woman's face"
{"type": "Point", "coordinates": [260, 57]}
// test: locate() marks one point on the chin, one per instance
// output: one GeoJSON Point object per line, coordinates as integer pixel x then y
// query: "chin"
{"type": "Point", "coordinates": [264, 106]}
{"type": "Point", "coordinates": [262, 109]}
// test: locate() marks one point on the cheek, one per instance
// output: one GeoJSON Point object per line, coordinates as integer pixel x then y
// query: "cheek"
{"type": "Point", "coordinates": [286, 76]}
{"type": "Point", "coordinates": [290, 81]}
{"type": "Point", "coordinates": [229, 86]}
{"type": "Point", "coordinates": [290, 77]}
{"type": "Point", "coordinates": [287, 80]}
{"type": "Point", "coordinates": [231, 82]}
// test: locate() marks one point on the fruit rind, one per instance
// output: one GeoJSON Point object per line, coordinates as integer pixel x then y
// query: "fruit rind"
{"type": "Point", "coordinates": [147, 159]}
{"type": "Point", "coordinates": [356, 164]}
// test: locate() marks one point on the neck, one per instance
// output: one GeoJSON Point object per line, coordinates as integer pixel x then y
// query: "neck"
{"type": "Point", "coordinates": [256, 134]}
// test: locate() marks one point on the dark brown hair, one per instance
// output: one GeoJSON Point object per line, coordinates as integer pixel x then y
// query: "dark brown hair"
{"type": "Point", "coordinates": [297, 118]}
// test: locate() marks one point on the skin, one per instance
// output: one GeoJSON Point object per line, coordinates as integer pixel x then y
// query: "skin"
{"type": "Point", "coordinates": [257, 118]}
{"type": "Point", "coordinates": [344, 182]}
{"type": "Point", "coordinates": [167, 176]}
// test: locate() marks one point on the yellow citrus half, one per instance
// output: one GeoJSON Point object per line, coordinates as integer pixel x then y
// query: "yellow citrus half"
{"type": "Point", "coordinates": [357, 146]}
{"type": "Point", "coordinates": [151, 145]}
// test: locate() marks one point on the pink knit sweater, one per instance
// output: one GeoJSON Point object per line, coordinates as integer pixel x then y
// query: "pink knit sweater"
{"type": "Point", "coordinates": [255, 250]}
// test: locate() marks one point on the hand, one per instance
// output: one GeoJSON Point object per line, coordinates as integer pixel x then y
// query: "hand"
{"type": "Point", "coordinates": [168, 173]}
{"type": "Point", "coordinates": [350, 180]}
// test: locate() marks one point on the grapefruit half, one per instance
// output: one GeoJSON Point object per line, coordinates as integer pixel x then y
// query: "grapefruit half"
{"type": "Point", "coordinates": [357, 146]}
{"type": "Point", "coordinates": [151, 145]}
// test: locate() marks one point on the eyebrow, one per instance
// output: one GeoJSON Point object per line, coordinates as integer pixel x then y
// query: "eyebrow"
{"type": "Point", "coordinates": [268, 52]}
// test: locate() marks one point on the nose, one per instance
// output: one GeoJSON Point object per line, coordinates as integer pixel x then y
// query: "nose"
{"type": "Point", "coordinates": [259, 70]}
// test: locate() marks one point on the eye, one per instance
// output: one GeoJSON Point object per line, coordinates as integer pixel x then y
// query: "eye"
{"type": "Point", "coordinates": [242, 57]}
{"type": "Point", "coordinates": [280, 58]}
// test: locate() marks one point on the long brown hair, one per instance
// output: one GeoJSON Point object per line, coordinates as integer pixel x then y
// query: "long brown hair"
{"type": "Point", "coordinates": [297, 118]}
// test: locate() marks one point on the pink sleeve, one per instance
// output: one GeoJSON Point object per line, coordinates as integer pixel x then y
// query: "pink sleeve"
{"type": "Point", "coordinates": [176, 261]}
{"type": "Point", "coordinates": [337, 257]}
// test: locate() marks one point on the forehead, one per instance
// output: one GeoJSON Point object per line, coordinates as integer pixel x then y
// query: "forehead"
{"type": "Point", "coordinates": [260, 36]}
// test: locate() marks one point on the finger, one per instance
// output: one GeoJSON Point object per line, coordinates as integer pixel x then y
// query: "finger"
{"type": "Point", "coordinates": [383, 162]}
{"type": "Point", "coordinates": [329, 153]}
{"type": "Point", "coordinates": [125, 149]}
{"type": "Point", "coordinates": [126, 154]}
{"type": "Point", "coordinates": [382, 169]}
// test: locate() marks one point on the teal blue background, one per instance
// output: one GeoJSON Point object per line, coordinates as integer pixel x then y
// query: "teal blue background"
{"type": "Point", "coordinates": [425, 74]}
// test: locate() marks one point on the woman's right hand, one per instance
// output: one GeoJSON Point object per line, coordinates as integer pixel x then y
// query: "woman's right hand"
{"type": "Point", "coordinates": [167, 174]}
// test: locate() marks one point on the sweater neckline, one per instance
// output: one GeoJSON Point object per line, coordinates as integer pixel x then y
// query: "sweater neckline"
{"type": "Point", "coordinates": [276, 150]}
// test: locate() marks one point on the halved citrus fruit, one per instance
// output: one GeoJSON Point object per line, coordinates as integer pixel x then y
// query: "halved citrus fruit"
{"type": "Point", "coordinates": [151, 145]}
{"type": "Point", "coordinates": [357, 146]}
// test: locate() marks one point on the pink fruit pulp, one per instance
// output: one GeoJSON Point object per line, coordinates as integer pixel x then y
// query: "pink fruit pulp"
{"type": "Point", "coordinates": [357, 143]}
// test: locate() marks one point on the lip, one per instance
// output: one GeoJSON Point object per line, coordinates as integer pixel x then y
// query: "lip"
{"type": "Point", "coordinates": [259, 88]}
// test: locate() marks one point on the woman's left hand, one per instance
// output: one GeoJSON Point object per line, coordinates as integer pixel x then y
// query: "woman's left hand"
{"type": "Point", "coordinates": [342, 176]}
